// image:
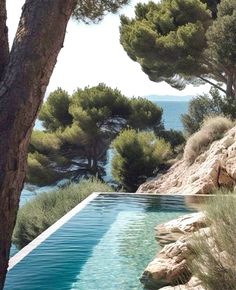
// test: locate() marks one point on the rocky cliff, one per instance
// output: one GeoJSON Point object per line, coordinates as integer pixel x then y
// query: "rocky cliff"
{"type": "Point", "coordinates": [214, 168]}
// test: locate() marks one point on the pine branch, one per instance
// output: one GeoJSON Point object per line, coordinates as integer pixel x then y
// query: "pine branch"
{"type": "Point", "coordinates": [213, 84]}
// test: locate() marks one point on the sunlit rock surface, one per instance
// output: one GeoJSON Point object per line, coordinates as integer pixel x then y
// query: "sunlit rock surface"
{"type": "Point", "coordinates": [193, 284]}
{"type": "Point", "coordinates": [169, 267]}
{"type": "Point", "coordinates": [171, 231]}
{"type": "Point", "coordinates": [213, 168]}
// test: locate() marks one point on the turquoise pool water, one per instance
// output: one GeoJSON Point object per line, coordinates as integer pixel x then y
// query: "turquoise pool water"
{"type": "Point", "coordinates": [106, 246]}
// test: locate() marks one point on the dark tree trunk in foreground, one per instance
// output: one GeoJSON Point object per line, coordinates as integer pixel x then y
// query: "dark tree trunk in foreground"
{"type": "Point", "coordinates": [4, 47]}
{"type": "Point", "coordinates": [24, 76]}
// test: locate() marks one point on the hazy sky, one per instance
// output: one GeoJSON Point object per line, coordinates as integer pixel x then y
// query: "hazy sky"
{"type": "Point", "coordinates": [93, 54]}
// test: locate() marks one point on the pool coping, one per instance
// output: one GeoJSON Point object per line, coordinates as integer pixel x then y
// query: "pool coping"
{"type": "Point", "coordinates": [156, 194]}
{"type": "Point", "coordinates": [54, 227]}
{"type": "Point", "coordinates": [49, 231]}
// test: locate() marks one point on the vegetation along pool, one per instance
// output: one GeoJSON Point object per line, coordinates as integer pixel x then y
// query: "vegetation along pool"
{"type": "Point", "coordinates": [106, 245]}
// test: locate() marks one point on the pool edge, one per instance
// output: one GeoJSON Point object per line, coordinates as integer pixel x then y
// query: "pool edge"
{"type": "Point", "coordinates": [156, 194]}
{"type": "Point", "coordinates": [49, 231]}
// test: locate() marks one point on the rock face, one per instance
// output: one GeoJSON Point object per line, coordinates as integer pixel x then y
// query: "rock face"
{"type": "Point", "coordinates": [193, 284]}
{"type": "Point", "coordinates": [169, 267]}
{"type": "Point", "coordinates": [171, 231]}
{"type": "Point", "coordinates": [214, 168]}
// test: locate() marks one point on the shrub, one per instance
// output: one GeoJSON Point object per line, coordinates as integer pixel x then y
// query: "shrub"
{"type": "Point", "coordinates": [174, 137]}
{"type": "Point", "coordinates": [46, 208]}
{"type": "Point", "coordinates": [44, 142]}
{"type": "Point", "coordinates": [213, 254]}
{"type": "Point", "coordinates": [39, 171]}
{"type": "Point", "coordinates": [204, 106]}
{"type": "Point", "coordinates": [212, 129]}
{"type": "Point", "coordinates": [136, 157]}
{"type": "Point", "coordinates": [217, 126]}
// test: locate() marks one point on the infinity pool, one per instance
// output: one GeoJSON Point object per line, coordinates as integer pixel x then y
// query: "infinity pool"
{"type": "Point", "coordinates": [105, 246]}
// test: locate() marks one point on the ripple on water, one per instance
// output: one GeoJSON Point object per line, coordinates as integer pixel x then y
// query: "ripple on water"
{"type": "Point", "coordinates": [105, 246]}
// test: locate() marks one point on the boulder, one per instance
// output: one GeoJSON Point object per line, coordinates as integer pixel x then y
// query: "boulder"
{"type": "Point", "coordinates": [168, 267]}
{"type": "Point", "coordinates": [171, 231]}
{"type": "Point", "coordinates": [213, 168]}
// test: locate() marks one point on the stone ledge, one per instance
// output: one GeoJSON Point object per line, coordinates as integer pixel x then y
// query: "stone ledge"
{"type": "Point", "coordinates": [171, 231]}
{"type": "Point", "coordinates": [169, 268]}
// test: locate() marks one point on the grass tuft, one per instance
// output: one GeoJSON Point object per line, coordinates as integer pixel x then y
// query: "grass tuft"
{"type": "Point", "coordinates": [46, 208]}
{"type": "Point", "coordinates": [213, 128]}
{"type": "Point", "coordinates": [213, 254]}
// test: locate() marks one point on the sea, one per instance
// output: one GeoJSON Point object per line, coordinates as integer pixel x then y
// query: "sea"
{"type": "Point", "coordinates": [172, 111]}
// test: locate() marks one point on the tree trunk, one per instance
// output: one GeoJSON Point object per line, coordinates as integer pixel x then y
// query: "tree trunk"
{"type": "Point", "coordinates": [234, 85]}
{"type": "Point", "coordinates": [4, 47]}
{"type": "Point", "coordinates": [229, 85]}
{"type": "Point", "coordinates": [38, 40]}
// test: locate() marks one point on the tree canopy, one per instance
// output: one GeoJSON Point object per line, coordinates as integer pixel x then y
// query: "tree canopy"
{"type": "Point", "coordinates": [79, 130]}
{"type": "Point", "coordinates": [184, 41]}
{"type": "Point", "coordinates": [137, 156]}
{"type": "Point", "coordinates": [207, 105]}
{"type": "Point", "coordinates": [93, 11]}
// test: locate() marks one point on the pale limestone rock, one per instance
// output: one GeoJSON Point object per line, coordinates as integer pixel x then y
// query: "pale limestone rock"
{"type": "Point", "coordinates": [171, 231]}
{"type": "Point", "coordinates": [193, 284]}
{"type": "Point", "coordinates": [169, 266]}
{"type": "Point", "coordinates": [213, 168]}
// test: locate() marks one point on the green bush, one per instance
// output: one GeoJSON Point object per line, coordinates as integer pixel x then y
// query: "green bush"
{"type": "Point", "coordinates": [174, 137]}
{"type": "Point", "coordinates": [136, 157]}
{"type": "Point", "coordinates": [204, 106]}
{"type": "Point", "coordinates": [213, 254]}
{"type": "Point", "coordinates": [212, 129]}
{"type": "Point", "coordinates": [46, 208]}
{"type": "Point", "coordinates": [44, 142]}
{"type": "Point", "coordinates": [199, 108]}
{"type": "Point", "coordinates": [39, 171]}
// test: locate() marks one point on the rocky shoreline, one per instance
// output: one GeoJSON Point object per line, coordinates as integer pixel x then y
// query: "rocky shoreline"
{"type": "Point", "coordinates": [214, 168]}
{"type": "Point", "coordinates": [168, 270]}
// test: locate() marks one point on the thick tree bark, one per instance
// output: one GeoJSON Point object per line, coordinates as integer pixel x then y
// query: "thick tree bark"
{"type": "Point", "coordinates": [38, 40]}
{"type": "Point", "coordinates": [4, 47]}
